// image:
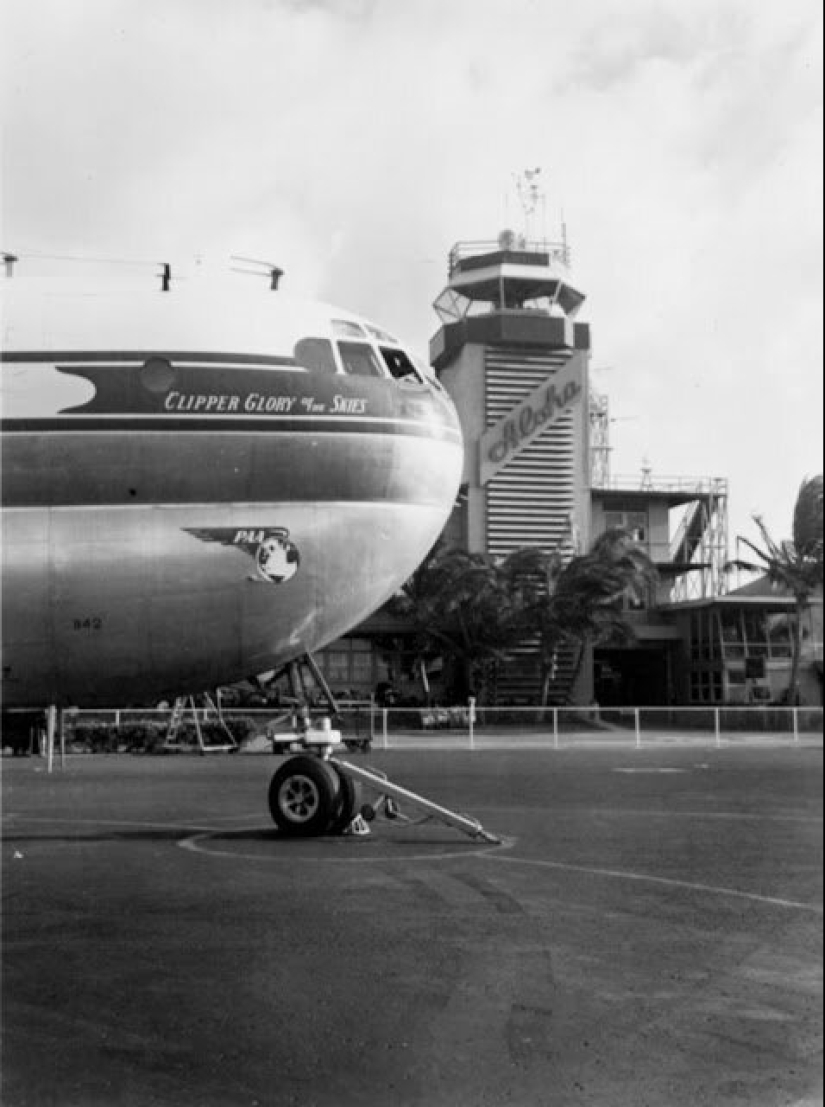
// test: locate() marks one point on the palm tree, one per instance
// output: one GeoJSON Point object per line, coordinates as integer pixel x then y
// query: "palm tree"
{"type": "Point", "coordinates": [586, 603]}
{"type": "Point", "coordinates": [470, 609]}
{"type": "Point", "coordinates": [795, 566]}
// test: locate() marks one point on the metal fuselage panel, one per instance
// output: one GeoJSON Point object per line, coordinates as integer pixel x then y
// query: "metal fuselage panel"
{"type": "Point", "coordinates": [167, 532]}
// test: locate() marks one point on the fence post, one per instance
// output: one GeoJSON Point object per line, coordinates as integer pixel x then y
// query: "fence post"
{"type": "Point", "coordinates": [795, 711]}
{"type": "Point", "coordinates": [384, 716]}
{"type": "Point", "coordinates": [117, 718]}
{"type": "Point", "coordinates": [555, 728]}
{"type": "Point", "coordinates": [372, 718]}
{"type": "Point", "coordinates": [637, 713]}
{"type": "Point", "coordinates": [717, 727]}
{"type": "Point", "coordinates": [51, 723]}
{"type": "Point", "coordinates": [471, 715]}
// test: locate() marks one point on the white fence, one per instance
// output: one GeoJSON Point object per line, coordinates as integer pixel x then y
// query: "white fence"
{"type": "Point", "coordinates": [565, 727]}
{"type": "Point", "coordinates": [363, 724]}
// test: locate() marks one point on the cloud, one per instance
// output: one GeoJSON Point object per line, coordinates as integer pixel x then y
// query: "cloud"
{"type": "Point", "coordinates": [614, 49]}
{"type": "Point", "coordinates": [353, 142]}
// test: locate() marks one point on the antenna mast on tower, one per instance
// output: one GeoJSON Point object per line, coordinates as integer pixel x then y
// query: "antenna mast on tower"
{"type": "Point", "coordinates": [531, 196]}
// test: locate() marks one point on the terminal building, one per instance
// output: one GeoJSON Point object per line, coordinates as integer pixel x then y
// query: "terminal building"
{"type": "Point", "coordinates": [514, 355]}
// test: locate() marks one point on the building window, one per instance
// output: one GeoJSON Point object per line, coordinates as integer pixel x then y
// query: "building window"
{"type": "Point", "coordinates": [348, 666]}
{"type": "Point", "coordinates": [705, 686]}
{"type": "Point", "coordinates": [703, 636]}
{"type": "Point", "coordinates": [731, 634]}
{"type": "Point", "coordinates": [778, 628]}
{"type": "Point", "coordinates": [634, 522]}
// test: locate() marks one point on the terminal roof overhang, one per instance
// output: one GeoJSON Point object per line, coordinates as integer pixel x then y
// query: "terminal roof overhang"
{"type": "Point", "coordinates": [677, 568]}
{"type": "Point", "coordinates": [640, 497]}
{"type": "Point", "coordinates": [769, 603]}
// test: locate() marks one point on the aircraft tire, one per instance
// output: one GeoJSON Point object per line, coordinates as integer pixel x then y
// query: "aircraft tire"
{"type": "Point", "coordinates": [304, 796]}
{"type": "Point", "coordinates": [349, 802]}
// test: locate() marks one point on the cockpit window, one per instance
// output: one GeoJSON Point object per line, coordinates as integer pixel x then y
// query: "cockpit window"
{"type": "Point", "coordinates": [345, 328]}
{"type": "Point", "coordinates": [382, 336]}
{"type": "Point", "coordinates": [316, 354]}
{"type": "Point", "coordinates": [399, 364]}
{"type": "Point", "coordinates": [427, 373]}
{"type": "Point", "coordinates": [360, 360]}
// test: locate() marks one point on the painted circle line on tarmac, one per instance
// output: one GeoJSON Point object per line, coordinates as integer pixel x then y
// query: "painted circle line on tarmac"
{"type": "Point", "coordinates": [195, 843]}
{"type": "Point", "coordinates": [651, 770]}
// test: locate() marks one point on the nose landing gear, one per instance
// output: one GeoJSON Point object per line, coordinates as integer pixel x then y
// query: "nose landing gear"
{"type": "Point", "coordinates": [314, 793]}
{"type": "Point", "coordinates": [310, 795]}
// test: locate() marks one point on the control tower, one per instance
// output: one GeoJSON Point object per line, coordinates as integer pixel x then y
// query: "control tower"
{"type": "Point", "coordinates": [514, 359]}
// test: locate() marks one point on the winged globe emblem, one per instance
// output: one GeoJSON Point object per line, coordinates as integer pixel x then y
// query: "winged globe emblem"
{"type": "Point", "coordinates": [276, 557]}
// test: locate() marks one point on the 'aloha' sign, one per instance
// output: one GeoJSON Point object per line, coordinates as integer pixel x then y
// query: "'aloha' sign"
{"type": "Point", "coordinates": [543, 407]}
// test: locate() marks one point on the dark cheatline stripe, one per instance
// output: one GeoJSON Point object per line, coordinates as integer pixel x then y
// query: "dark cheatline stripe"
{"type": "Point", "coordinates": [237, 467]}
{"type": "Point", "coordinates": [272, 424]}
{"type": "Point", "coordinates": [52, 356]}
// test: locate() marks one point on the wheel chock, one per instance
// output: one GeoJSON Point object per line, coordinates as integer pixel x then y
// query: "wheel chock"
{"type": "Point", "coordinates": [358, 828]}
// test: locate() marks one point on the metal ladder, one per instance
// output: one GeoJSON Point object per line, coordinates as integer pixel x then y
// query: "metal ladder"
{"type": "Point", "coordinates": [180, 707]}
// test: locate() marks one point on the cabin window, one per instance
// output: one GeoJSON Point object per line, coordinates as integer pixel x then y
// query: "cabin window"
{"type": "Point", "coordinates": [360, 360]}
{"type": "Point", "coordinates": [399, 364]}
{"type": "Point", "coordinates": [315, 354]}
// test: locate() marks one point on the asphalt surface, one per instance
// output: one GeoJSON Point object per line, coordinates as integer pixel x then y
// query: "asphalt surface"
{"type": "Point", "coordinates": [648, 934]}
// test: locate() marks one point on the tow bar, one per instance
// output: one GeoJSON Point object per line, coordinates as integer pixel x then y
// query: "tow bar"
{"type": "Point", "coordinates": [391, 792]}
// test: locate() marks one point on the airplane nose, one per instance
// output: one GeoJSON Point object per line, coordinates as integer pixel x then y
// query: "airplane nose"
{"type": "Point", "coordinates": [449, 409]}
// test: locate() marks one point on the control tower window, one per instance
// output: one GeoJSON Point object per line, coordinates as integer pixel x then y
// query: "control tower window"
{"type": "Point", "coordinates": [315, 354]}
{"type": "Point", "coordinates": [360, 360]}
{"type": "Point", "coordinates": [399, 364]}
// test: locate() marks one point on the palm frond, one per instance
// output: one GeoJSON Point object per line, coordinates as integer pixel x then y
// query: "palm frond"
{"type": "Point", "coordinates": [807, 518]}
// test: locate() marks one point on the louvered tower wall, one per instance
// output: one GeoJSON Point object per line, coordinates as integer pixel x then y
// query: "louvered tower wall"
{"type": "Point", "coordinates": [530, 501]}
{"type": "Point", "coordinates": [515, 361]}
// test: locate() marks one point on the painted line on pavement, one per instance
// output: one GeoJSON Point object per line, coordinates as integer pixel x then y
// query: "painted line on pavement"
{"type": "Point", "coordinates": [195, 844]}
{"type": "Point", "coordinates": [632, 812]}
{"type": "Point", "coordinates": [150, 825]}
{"type": "Point", "coordinates": [198, 834]}
{"type": "Point", "coordinates": [665, 881]}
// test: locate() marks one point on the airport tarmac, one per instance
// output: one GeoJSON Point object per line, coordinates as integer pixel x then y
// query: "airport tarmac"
{"type": "Point", "coordinates": [647, 934]}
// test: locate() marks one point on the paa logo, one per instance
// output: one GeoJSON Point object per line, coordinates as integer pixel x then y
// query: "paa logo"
{"type": "Point", "coordinates": [276, 558]}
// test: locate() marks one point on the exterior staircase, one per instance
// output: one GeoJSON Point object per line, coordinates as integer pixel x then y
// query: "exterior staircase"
{"type": "Point", "coordinates": [518, 680]}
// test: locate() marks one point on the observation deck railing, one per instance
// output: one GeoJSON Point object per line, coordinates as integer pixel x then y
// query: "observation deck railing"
{"type": "Point", "coordinates": [533, 251]}
{"type": "Point", "coordinates": [644, 482]}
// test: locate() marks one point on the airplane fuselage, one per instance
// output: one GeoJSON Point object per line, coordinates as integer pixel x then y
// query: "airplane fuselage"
{"type": "Point", "coordinates": [197, 488]}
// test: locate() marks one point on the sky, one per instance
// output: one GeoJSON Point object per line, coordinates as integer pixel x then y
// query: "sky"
{"type": "Point", "coordinates": [352, 142]}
